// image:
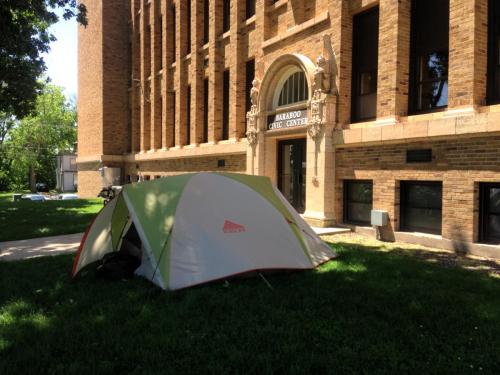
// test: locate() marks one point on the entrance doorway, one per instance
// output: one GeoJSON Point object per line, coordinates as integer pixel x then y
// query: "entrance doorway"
{"type": "Point", "coordinates": [292, 172]}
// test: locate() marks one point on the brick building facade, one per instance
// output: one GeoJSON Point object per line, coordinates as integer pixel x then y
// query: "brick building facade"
{"type": "Point", "coordinates": [345, 105]}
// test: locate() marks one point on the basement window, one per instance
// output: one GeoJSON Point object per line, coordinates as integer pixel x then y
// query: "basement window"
{"type": "Point", "coordinates": [489, 213]}
{"type": "Point", "coordinates": [421, 206]}
{"type": "Point", "coordinates": [358, 201]}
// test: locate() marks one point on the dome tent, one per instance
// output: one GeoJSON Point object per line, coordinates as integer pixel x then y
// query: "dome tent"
{"type": "Point", "coordinates": [201, 227]}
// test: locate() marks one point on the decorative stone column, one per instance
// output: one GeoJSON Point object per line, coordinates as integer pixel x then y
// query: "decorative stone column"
{"type": "Point", "coordinates": [320, 169]}
{"type": "Point", "coordinates": [255, 137]}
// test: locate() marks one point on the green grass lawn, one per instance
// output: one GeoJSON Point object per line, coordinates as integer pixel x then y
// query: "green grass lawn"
{"type": "Point", "coordinates": [26, 219]}
{"type": "Point", "coordinates": [365, 312]}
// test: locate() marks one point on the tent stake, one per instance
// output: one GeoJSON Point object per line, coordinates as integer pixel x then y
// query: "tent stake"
{"type": "Point", "coordinates": [267, 282]}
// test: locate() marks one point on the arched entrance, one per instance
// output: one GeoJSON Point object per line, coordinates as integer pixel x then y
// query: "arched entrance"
{"type": "Point", "coordinates": [286, 134]}
{"type": "Point", "coordinates": [284, 100]}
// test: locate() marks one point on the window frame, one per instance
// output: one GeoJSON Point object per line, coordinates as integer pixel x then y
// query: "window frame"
{"type": "Point", "coordinates": [345, 214]}
{"type": "Point", "coordinates": [484, 235]}
{"type": "Point", "coordinates": [250, 8]}
{"type": "Point", "coordinates": [356, 71]}
{"type": "Point", "coordinates": [493, 53]}
{"type": "Point", "coordinates": [417, 50]}
{"type": "Point", "coordinates": [226, 16]}
{"type": "Point", "coordinates": [403, 205]}
{"type": "Point", "coordinates": [226, 87]}
{"type": "Point", "coordinates": [280, 87]}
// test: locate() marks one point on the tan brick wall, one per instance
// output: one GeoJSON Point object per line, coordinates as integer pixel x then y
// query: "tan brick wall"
{"type": "Point", "coordinates": [233, 163]}
{"type": "Point", "coordinates": [468, 48]}
{"type": "Point", "coordinates": [459, 163]}
{"type": "Point", "coordinates": [393, 58]}
{"type": "Point", "coordinates": [89, 184]}
{"type": "Point", "coordinates": [90, 82]}
{"type": "Point", "coordinates": [156, 115]}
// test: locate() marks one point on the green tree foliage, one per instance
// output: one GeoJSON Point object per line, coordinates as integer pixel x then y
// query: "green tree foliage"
{"type": "Point", "coordinates": [24, 37]}
{"type": "Point", "coordinates": [33, 144]}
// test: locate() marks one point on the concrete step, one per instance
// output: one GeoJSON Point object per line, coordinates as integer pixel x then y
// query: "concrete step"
{"type": "Point", "coordinates": [331, 230]}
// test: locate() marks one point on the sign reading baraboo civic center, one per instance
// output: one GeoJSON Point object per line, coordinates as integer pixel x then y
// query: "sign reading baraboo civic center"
{"type": "Point", "coordinates": [287, 119]}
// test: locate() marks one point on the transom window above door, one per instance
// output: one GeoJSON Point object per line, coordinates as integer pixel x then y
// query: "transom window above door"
{"type": "Point", "coordinates": [293, 89]}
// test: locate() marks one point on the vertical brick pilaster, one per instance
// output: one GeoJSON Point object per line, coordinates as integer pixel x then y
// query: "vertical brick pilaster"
{"type": "Point", "coordinates": [468, 53]}
{"type": "Point", "coordinates": [393, 59]}
{"type": "Point", "coordinates": [168, 76]}
{"type": "Point", "coordinates": [261, 23]}
{"type": "Point", "coordinates": [135, 101]}
{"type": "Point", "coordinates": [197, 72]}
{"type": "Point", "coordinates": [342, 44]}
{"type": "Point", "coordinates": [145, 75]}
{"type": "Point", "coordinates": [215, 74]}
{"type": "Point", "coordinates": [237, 116]}
{"type": "Point", "coordinates": [180, 72]}
{"type": "Point", "coordinates": [156, 52]}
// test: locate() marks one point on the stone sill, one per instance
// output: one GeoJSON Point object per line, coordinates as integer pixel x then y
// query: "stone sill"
{"type": "Point", "coordinates": [230, 147]}
{"type": "Point", "coordinates": [99, 158]}
{"type": "Point", "coordinates": [297, 29]}
{"type": "Point", "coordinates": [226, 35]}
{"type": "Point", "coordinates": [250, 21]}
{"type": "Point", "coordinates": [276, 5]}
{"type": "Point", "coordinates": [457, 122]}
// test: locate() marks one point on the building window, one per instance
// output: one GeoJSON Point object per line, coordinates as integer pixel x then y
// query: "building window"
{"type": "Point", "coordinates": [188, 116]}
{"type": "Point", "coordinates": [188, 10]}
{"type": "Point", "coordinates": [226, 21]}
{"type": "Point", "coordinates": [364, 66]}
{"type": "Point", "coordinates": [294, 89]}
{"type": "Point", "coordinates": [205, 110]}
{"type": "Point", "coordinates": [172, 32]}
{"type": "Point", "coordinates": [160, 40]}
{"type": "Point", "coordinates": [174, 117]}
{"type": "Point", "coordinates": [206, 18]}
{"type": "Point", "coordinates": [250, 75]}
{"type": "Point", "coordinates": [250, 8]}
{"type": "Point", "coordinates": [358, 201]}
{"type": "Point", "coordinates": [421, 206]}
{"type": "Point", "coordinates": [429, 55]}
{"type": "Point", "coordinates": [225, 106]}
{"type": "Point", "coordinates": [493, 51]}
{"type": "Point", "coordinates": [489, 213]}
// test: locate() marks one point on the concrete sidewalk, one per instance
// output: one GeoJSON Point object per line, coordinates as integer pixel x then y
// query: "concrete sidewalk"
{"type": "Point", "coordinates": [37, 247]}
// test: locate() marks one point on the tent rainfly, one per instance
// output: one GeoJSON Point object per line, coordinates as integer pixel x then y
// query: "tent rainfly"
{"type": "Point", "coordinates": [200, 227]}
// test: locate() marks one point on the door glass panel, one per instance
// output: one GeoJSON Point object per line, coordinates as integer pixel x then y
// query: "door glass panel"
{"type": "Point", "coordinates": [291, 172]}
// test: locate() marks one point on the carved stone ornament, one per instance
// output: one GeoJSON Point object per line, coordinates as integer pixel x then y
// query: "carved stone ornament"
{"type": "Point", "coordinates": [252, 126]}
{"type": "Point", "coordinates": [252, 131]}
{"type": "Point", "coordinates": [321, 75]}
{"type": "Point", "coordinates": [316, 120]}
{"type": "Point", "coordinates": [254, 92]}
{"type": "Point", "coordinates": [325, 74]}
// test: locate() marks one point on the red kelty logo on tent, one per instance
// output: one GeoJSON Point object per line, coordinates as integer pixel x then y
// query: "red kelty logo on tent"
{"type": "Point", "coordinates": [230, 227]}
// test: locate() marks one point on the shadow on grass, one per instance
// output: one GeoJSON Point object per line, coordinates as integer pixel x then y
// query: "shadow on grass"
{"type": "Point", "coordinates": [372, 312]}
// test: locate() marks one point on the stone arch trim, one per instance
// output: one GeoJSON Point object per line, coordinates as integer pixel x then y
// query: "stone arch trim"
{"type": "Point", "coordinates": [273, 75]}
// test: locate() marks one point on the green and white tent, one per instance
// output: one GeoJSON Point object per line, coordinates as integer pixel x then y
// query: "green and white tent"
{"type": "Point", "coordinates": [201, 227]}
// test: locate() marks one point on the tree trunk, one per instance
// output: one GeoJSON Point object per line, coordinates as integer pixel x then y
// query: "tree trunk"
{"type": "Point", "coordinates": [32, 179]}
